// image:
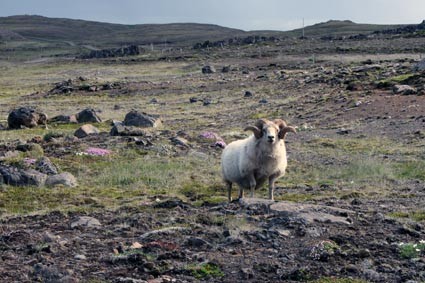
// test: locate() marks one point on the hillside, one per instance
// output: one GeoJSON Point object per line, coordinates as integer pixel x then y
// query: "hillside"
{"type": "Point", "coordinates": [106, 34]}
{"type": "Point", "coordinates": [339, 28]}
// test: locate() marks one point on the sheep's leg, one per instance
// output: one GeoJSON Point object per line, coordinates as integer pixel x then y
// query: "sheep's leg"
{"type": "Point", "coordinates": [252, 185]}
{"type": "Point", "coordinates": [272, 180]}
{"type": "Point", "coordinates": [229, 190]}
{"type": "Point", "coordinates": [240, 193]}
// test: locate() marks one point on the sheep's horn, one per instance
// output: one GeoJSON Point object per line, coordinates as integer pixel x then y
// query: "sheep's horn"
{"type": "Point", "coordinates": [279, 122]}
{"type": "Point", "coordinates": [260, 123]}
{"type": "Point", "coordinates": [285, 130]}
{"type": "Point", "coordinates": [257, 132]}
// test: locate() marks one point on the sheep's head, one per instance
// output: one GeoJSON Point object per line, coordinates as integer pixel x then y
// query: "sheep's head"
{"type": "Point", "coordinates": [270, 130]}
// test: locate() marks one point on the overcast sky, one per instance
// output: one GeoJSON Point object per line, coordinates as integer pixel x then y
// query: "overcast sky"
{"type": "Point", "coordinates": [241, 14]}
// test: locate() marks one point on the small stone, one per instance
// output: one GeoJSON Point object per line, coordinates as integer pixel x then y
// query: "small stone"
{"type": "Point", "coordinates": [263, 101]}
{"type": "Point", "coordinates": [86, 130]}
{"type": "Point", "coordinates": [80, 257]}
{"type": "Point", "coordinates": [248, 94]}
{"type": "Point", "coordinates": [208, 70]}
{"type": "Point", "coordinates": [85, 221]}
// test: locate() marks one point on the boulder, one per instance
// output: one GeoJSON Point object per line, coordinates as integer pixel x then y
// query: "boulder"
{"type": "Point", "coordinates": [64, 179]}
{"type": "Point", "coordinates": [141, 119]}
{"type": "Point", "coordinates": [25, 117]}
{"type": "Point", "coordinates": [88, 115]}
{"type": "Point", "coordinates": [64, 119]}
{"type": "Point", "coordinates": [18, 177]}
{"type": "Point", "coordinates": [208, 70]}
{"type": "Point", "coordinates": [121, 130]}
{"type": "Point", "coordinates": [404, 89]}
{"type": "Point", "coordinates": [44, 165]}
{"type": "Point", "coordinates": [420, 66]}
{"type": "Point", "coordinates": [86, 130]}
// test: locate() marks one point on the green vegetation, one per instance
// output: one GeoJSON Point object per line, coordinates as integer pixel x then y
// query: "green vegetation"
{"type": "Point", "coordinates": [411, 250]}
{"type": "Point", "coordinates": [418, 215]}
{"type": "Point", "coordinates": [205, 271]}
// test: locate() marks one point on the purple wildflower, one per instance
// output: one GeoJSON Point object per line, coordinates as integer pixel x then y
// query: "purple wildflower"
{"type": "Point", "coordinates": [97, 151]}
{"type": "Point", "coordinates": [29, 161]}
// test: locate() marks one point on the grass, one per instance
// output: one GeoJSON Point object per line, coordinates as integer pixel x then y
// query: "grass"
{"type": "Point", "coordinates": [418, 215]}
{"type": "Point", "coordinates": [205, 271]}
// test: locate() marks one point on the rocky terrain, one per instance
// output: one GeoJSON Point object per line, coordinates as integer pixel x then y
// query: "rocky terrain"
{"type": "Point", "coordinates": [110, 167]}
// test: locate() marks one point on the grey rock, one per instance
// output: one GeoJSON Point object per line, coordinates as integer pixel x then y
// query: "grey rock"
{"type": "Point", "coordinates": [80, 257]}
{"type": "Point", "coordinates": [25, 117]}
{"type": "Point", "coordinates": [121, 130]}
{"type": "Point", "coordinates": [64, 119]}
{"type": "Point", "coordinates": [141, 119]}
{"type": "Point", "coordinates": [88, 115]}
{"type": "Point", "coordinates": [85, 221]}
{"type": "Point", "coordinates": [44, 165]}
{"type": "Point", "coordinates": [18, 177]}
{"type": "Point", "coordinates": [208, 70]}
{"type": "Point", "coordinates": [64, 179]}
{"type": "Point", "coordinates": [86, 130]}
{"type": "Point", "coordinates": [420, 66]}
{"type": "Point", "coordinates": [179, 141]}
{"type": "Point", "coordinates": [404, 89]}
{"type": "Point", "coordinates": [248, 94]}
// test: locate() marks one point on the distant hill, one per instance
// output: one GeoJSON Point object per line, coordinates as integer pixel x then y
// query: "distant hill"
{"type": "Point", "coordinates": [181, 34]}
{"type": "Point", "coordinates": [106, 34]}
{"type": "Point", "coordinates": [339, 28]}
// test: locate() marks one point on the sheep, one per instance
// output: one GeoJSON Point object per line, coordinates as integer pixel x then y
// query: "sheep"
{"type": "Point", "coordinates": [251, 161]}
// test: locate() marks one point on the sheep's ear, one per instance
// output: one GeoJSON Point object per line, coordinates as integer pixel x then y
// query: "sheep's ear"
{"type": "Point", "coordinates": [257, 132]}
{"type": "Point", "coordinates": [286, 130]}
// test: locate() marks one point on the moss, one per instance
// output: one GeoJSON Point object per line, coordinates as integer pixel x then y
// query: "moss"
{"type": "Point", "coordinates": [417, 216]}
{"type": "Point", "coordinates": [205, 271]}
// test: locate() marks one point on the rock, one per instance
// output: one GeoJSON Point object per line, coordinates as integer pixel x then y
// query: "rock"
{"type": "Point", "coordinates": [206, 102]}
{"type": "Point", "coordinates": [25, 117]}
{"type": "Point", "coordinates": [130, 50]}
{"type": "Point", "coordinates": [85, 221]}
{"type": "Point", "coordinates": [179, 141]}
{"type": "Point", "coordinates": [44, 165]}
{"type": "Point", "coordinates": [343, 131]}
{"type": "Point", "coordinates": [420, 66]}
{"type": "Point", "coordinates": [135, 118]}
{"type": "Point", "coordinates": [197, 242]}
{"type": "Point", "coordinates": [18, 177]}
{"type": "Point", "coordinates": [50, 274]}
{"type": "Point", "coordinates": [247, 94]}
{"type": "Point", "coordinates": [263, 101]}
{"type": "Point", "coordinates": [65, 179]}
{"type": "Point", "coordinates": [80, 257]}
{"type": "Point", "coordinates": [208, 70]}
{"type": "Point", "coordinates": [121, 130]}
{"type": "Point", "coordinates": [64, 119]}
{"type": "Point", "coordinates": [193, 99]}
{"type": "Point", "coordinates": [225, 69]}
{"type": "Point", "coordinates": [164, 231]}
{"type": "Point", "coordinates": [86, 130]}
{"type": "Point", "coordinates": [404, 89]}
{"type": "Point", "coordinates": [312, 213]}
{"type": "Point", "coordinates": [88, 115]}
{"type": "Point", "coordinates": [367, 68]}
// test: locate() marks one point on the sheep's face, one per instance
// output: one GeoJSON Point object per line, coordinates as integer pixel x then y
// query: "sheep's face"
{"type": "Point", "coordinates": [270, 131]}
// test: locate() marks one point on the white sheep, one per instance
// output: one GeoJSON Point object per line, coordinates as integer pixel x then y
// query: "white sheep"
{"type": "Point", "coordinates": [251, 161]}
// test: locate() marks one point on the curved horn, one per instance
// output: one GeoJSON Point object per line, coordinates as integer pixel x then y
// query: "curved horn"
{"type": "Point", "coordinates": [257, 132]}
{"type": "Point", "coordinates": [284, 128]}
{"type": "Point", "coordinates": [260, 123]}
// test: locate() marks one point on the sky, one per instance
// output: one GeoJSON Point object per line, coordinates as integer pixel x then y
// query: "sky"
{"type": "Point", "coordinates": [240, 14]}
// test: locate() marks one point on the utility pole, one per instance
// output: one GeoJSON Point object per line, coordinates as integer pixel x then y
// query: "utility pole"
{"type": "Point", "coordinates": [303, 28]}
